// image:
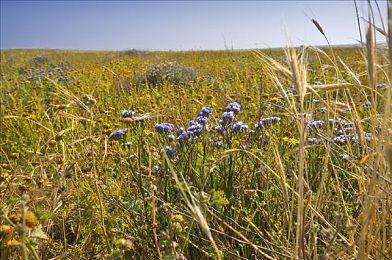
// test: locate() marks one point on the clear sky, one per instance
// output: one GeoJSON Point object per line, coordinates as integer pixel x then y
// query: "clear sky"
{"type": "Point", "coordinates": [177, 25]}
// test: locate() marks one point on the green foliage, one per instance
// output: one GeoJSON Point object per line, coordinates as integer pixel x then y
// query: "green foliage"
{"type": "Point", "coordinates": [170, 72]}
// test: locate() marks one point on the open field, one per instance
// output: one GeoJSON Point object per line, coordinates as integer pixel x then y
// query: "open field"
{"type": "Point", "coordinates": [266, 154]}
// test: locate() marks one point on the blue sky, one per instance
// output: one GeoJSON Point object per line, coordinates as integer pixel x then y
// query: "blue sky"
{"type": "Point", "coordinates": [176, 25]}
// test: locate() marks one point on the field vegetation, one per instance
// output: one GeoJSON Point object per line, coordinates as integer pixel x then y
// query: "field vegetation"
{"type": "Point", "coordinates": [261, 154]}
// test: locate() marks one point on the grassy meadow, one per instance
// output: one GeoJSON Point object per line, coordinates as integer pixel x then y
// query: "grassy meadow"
{"type": "Point", "coordinates": [258, 154]}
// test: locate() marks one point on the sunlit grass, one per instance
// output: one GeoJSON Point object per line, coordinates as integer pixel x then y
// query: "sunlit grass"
{"type": "Point", "coordinates": [81, 177]}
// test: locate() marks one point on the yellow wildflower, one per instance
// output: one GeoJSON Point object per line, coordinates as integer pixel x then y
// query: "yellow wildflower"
{"type": "Point", "coordinates": [13, 243]}
{"type": "Point", "coordinates": [6, 230]}
{"type": "Point", "coordinates": [31, 219]}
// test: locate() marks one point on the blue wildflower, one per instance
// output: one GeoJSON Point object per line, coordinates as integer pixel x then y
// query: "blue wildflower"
{"type": "Point", "coordinates": [233, 107]}
{"type": "Point", "coordinates": [275, 119]}
{"type": "Point", "coordinates": [168, 151]}
{"type": "Point", "coordinates": [243, 147]}
{"type": "Point", "coordinates": [192, 122]}
{"type": "Point", "coordinates": [171, 138]}
{"type": "Point", "coordinates": [118, 133]}
{"type": "Point", "coordinates": [338, 131]}
{"type": "Point", "coordinates": [127, 113]}
{"type": "Point", "coordinates": [341, 122]}
{"type": "Point", "coordinates": [332, 121]}
{"type": "Point", "coordinates": [323, 110]}
{"type": "Point", "coordinates": [195, 129]}
{"type": "Point", "coordinates": [180, 131]}
{"type": "Point", "coordinates": [347, 157]}
{"type": "Point", "coordinates": [164, 127]}
{"type": "Point", "coordinates": [267, 121]}
{"type": "Point", "coordinates": [341, 139]}
{"type": "Point", "coordinates": [218, 143]}
{"type": "Point", "coordinates": [348, 129]}
{"type": "Point", "coordinates": [202, 120]}
{"type": "Point", "coordinates": [205, 112]}
{"type": "Point", "coordinates": [132, 157]}
{"type": "Point", "coordinates": [183, 137]}
{"type": "Point", "coordinates": [227, 117]}
{"type": "Point", "coordinates": [367, 104]}
{"type": "Point", "coordinates": [316, 124]}
{"type": "Point", "coordinates": [368, 136]}
{"type": "Point", "coordinates": [126, 145]}
{"type": "Point", "coordinates": [157, 169]}
{"type": "Point", "coordinates": [221, 130]}
{"type": "Point", "coordinates": [313, 140]}
{"type": "Point", "coordinates": [240, 127]}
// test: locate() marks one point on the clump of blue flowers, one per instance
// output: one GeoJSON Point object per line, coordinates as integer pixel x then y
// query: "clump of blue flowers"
{"type": "Point", "coordinates": [164, 128]}
{"type": "Point", "coordinates": [233, 107]}
{"type": "Point", "coordinates": [118, 133]}
{"type": "Point", "coordinates": [168, 151]}
{"type": "Point", "coordinates": [267, 121]}
{"type": "Point", "coordinates": [240, 127]}
{"type": "Point", "coordinates": [316, 124]}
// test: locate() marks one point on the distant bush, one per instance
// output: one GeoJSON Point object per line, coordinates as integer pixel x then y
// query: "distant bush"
{"type": "Point", "coordinates": [133, 53]}
{"type": "Point", "coordinates": [39, 59]}
{"type": "Point", "coordinates": [170, 72]}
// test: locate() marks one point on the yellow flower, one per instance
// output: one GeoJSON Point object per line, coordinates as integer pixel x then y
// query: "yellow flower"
{"type": "Point", "coordinates": [31, 219]}
{"type": "Point", "coordinates": [290, 140]}
{"type": "Point", "coordinates": [6, 230]}
{"type": "Point", "coordinates": [13, 243]}
{"type": "Point", "coordinates": [275, 99]}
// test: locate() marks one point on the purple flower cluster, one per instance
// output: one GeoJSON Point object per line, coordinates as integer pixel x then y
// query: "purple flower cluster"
{"type": "Point", "coordinates": [203, 115]}
{"type": "Point", "coordinates": [168, 151]}
{"type": "Point", "coordinates": [267, 121]}
{"type": "Point", "coordinates": [240, 127]}
{"type": "Point", "coordinates": [126, 145]}
{"type": "Point", "coordinates": [118, 133]}
{"type": "Point", "coordinates": [205, 112]}
{"type": "Point", "coordinates": [367, 104]}
{"type": "Point", "coordinates": [195, 127]}
{"type": "Point", "coordinates": [344, 139]}
{"type": "Point", "coordinates": [227, 118]}
{"type": "Point", "coordinates": [342, 122]}
{"type": "Point", "coordinates": [313, 140]}
{"type": "Point", "coordinates": [218, 143]}
{"type": "Point", "coordinates": [127, 113]}
{"type": "Point", "coordinates": [221, 130]}
{"type": "Point", "coordinates": [54, 73]}
{"type": "Point", "coordinates": [164, 128]}
{"type": "Point", "coordinates": [233, 107]}
{"type": "Point", "coordinates": [316, 124]}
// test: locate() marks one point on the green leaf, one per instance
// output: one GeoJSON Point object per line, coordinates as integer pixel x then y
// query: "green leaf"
{"type": "Point", "coordinates": [218, 198]}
